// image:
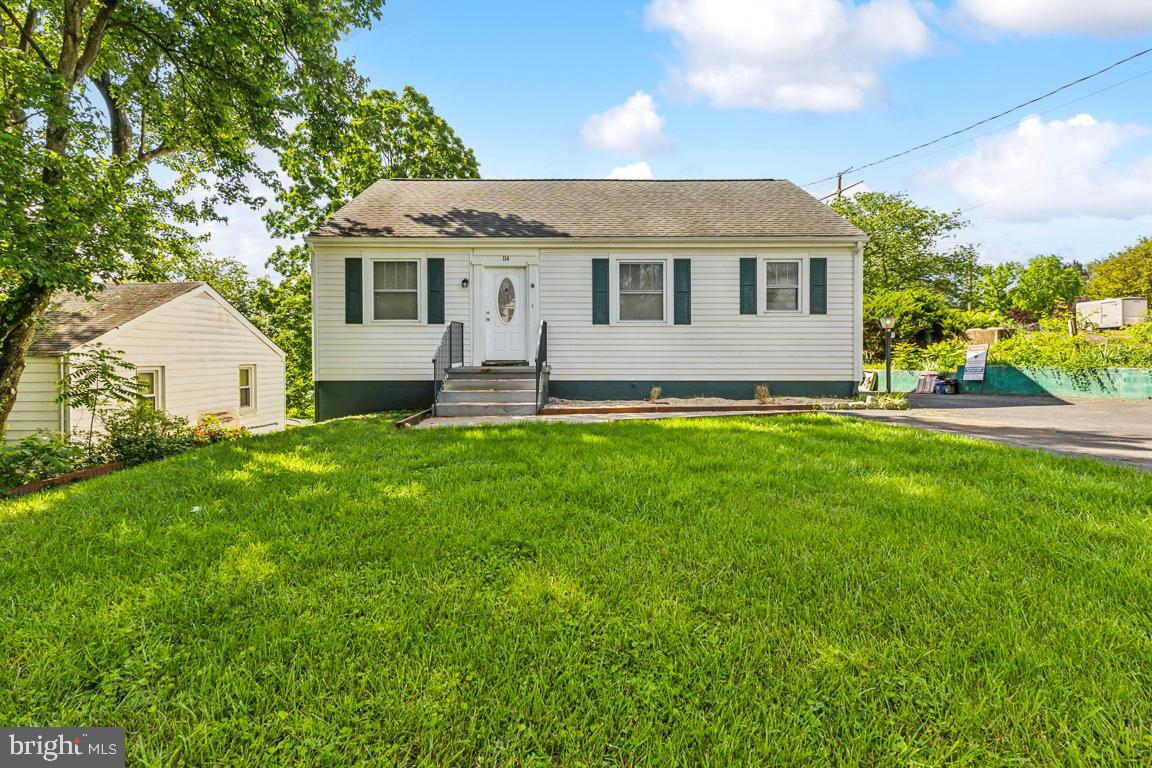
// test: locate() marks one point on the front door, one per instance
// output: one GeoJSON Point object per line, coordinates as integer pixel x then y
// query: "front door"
{"type": "Point", "coordinates": [505, 315]}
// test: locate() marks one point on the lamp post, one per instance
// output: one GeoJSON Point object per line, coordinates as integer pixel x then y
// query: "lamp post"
{"type": "Point", "coordinates": [888, 323]}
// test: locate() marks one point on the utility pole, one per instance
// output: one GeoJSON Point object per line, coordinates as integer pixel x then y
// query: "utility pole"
{"type": "Point", "coordinates": [840, 182]}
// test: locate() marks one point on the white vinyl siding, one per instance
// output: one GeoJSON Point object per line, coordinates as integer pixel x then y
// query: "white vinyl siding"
{"type": "Point", "coordinates": [397, 351]}
{"type": "Point", "coordinates": [36, 408]}
{"type": "Point", "coordinates": [200, 346]}
{"type": "Point", "coordinates": [719, 345]}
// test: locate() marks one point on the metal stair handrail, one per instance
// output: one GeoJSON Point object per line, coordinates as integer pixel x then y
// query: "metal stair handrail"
{"type": "Point", "coordinates": [449, 354]}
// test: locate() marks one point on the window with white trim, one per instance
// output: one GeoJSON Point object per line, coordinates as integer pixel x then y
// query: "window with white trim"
{"type": "Point", "coordinates": [396, 290]}
{"type": "Point", "coordinates": [782, 285]}
{"type": "Point", "coordinates": [149, 387]}
{"type": "Point", "coordinates": [247, 387]}
{"type": "Point", "coordinates": [641, 291]}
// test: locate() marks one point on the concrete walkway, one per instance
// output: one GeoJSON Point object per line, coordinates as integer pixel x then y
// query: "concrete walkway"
{"type": "Point", "coordinates": [1114, 430]}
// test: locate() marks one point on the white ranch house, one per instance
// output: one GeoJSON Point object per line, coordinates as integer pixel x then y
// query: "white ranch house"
{"type": "Point", "coordinates": [611, 287]}
{"type": "Point", "coordinates": [192, 351]}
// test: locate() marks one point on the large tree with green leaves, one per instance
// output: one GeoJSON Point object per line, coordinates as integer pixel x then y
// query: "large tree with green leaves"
{"type": "Point", "coordinates": [1127, 273]}
{"type": "Point", "coordinates": [1047, 284]}
{"type": "Point", "coordinates": [123, 120]}
{"type": "Point", "coordinates": [911, 246]}
{"type": "Point", "coordinates": [387, 135]}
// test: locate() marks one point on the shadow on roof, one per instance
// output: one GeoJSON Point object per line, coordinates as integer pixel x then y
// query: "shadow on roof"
{"type": "Point", "coordinates": [457, 222]}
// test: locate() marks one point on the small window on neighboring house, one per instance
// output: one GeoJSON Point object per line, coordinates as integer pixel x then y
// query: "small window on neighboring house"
{"type": "Point", "coordinates": [396, 290]}
{"type": "Point", "coordinates": [149, 387]}
{"type": "Point", "coordinates": [642, 291]}
{"type": "Point", "coordinates": [783, 286]}
{"type": "Point", "coordinates": [247, 387]}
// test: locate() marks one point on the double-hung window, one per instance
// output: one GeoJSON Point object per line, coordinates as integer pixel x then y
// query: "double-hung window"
{"type": "Point", "coordinates": [247, 387]}
{"type": "Point", "coordinates": [396, 290]}
{"type": "Point", "coordinates": [641, 291]}
{"type": "Point", "coordinates": [148, 387]}
{"type": "Point", "coordinates": [782, 285]}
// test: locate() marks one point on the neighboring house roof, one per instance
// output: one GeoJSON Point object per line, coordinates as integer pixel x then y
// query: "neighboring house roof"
{"type": "Point", "coordinates": [600, 208]}
{"type": "Point", "coordinates": [73, 320]}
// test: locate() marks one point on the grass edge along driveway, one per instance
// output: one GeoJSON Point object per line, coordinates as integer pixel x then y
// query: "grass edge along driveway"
{"type": "Point", "coordinates": [790, 590]}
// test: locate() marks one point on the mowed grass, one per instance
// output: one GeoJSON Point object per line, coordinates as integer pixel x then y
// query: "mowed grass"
{"type": "Point", "coordinates": [800, 590]}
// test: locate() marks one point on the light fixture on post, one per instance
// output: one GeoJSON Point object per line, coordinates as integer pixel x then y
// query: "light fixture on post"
{"type": "Point", "coordinates": [888, 323]}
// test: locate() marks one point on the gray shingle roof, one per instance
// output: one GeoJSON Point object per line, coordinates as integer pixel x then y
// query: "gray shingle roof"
{"type": "Point", "coordinates": [600, 208]}
{"type": "Point", "coordinates": [73, 320]}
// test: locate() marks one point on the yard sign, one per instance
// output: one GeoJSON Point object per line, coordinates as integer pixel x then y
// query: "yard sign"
{"type": "Point", "coordinates": [975, 361]}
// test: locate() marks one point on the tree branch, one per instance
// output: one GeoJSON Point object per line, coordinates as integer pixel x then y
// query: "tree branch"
{"type": "Point", "coordinates": [26, 38]}
{"type": "Point", "coordinates": [118, 120]}
{"type": "Point", "coordinates": [95, 38]}
{"type": "Point", "coordinates": [155, 154]}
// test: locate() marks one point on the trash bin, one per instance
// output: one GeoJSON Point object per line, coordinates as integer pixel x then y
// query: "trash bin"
{"type": "Point", "coordinates": [944, 387]}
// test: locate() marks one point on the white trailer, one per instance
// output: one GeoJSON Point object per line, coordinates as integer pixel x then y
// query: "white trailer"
{"type": "Point", "coordinates": [1113, 313]}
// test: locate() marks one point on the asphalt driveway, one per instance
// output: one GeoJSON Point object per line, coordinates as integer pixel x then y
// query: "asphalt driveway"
{"type": "Point", "coordinates": [1115, 430]}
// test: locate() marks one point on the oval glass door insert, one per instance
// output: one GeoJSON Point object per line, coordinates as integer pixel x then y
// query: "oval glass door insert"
{"type": "Point", "coordinates": [506, 301]}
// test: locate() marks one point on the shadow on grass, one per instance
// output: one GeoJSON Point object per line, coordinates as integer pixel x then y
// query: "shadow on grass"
{"type": "Point", "coordinates": [644, 588]}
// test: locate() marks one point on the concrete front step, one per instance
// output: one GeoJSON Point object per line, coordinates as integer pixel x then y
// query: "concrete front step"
{"type": "Point", "coordinates": [485, 409]}
{"type": "Point", "coordinates": [488, 395]}
{"type": "Point", "coordinates": [525, 371]}
{"type": "Point", "coordinates": [473, 384]}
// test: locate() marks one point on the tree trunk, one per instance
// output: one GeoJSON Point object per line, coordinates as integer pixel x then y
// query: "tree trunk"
{"type": "Point", "coordinates": [26, 306]}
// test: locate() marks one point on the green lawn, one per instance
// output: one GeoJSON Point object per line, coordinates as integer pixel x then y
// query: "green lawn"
{"type": "Point", "coordinates": [802, 590]}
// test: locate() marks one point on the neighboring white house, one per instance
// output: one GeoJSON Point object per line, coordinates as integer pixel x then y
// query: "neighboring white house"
{"type": "Point", "coordinates": [698, 287]}
{"type": "Point", "coordinates": [193, 352]}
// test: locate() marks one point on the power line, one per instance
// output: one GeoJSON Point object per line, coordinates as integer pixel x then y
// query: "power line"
{"type": "Point", "coordinates": [986, 120]}
{"type": "Point", "coordinates": [1003, 128]}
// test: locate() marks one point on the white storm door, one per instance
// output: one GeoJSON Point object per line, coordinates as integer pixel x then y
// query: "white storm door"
{"type": "Point", "coordinates": [505, 314]}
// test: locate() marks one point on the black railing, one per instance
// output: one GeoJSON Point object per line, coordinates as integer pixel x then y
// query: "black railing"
{"type": "Point", "coordinates": [541, 362]}
{"type": "Point", "coordinates": [449, 354]}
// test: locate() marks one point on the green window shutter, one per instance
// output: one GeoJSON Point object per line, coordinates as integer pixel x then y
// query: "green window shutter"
{"type": "Point", "coordinates": [600, 292]}
{"type": "Point", "coordinates": [818, 286]}
{"type": "Point", "coordinates": [435, 291]}
{"type": "Point", "coordinates": [682, 298]}
{"type": "Point", "coordinates": [353, 291]}
{"type": "Point", "coordinates": [748, 286]}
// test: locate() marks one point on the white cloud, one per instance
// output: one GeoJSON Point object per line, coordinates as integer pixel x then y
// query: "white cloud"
{"type": "Point", "coordinates": [631, 128]}
{"type": "Point", "coordinates": [639, 170]}
{"type": "Point", "coordinates": [1045, 170]}
{"type": "Point", "coordinates": [785, 55]}
{"type": "Point", "coordinates": [1100, 17]}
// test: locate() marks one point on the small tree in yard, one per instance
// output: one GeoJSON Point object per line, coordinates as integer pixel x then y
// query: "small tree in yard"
{"type": "Point", "coordinates": [94, 380]}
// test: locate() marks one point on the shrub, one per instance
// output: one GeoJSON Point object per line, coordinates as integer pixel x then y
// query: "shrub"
{"type": "Point", "coordinates": [923, 317]}
{"type": "Point", "coordinates": [38, 457]}
{"type": "Point", "coordinates": [654, 394]}
{"type": "Point", "coordinates": [763, 394]}
{"type": "Point", "coordinates": [210, 429]}
{"type": "Point", "coordinates": [1020, 316]}
{"type": "Point", "coordinates": [139, 434]}
{"type": "Point", "coordinates": [942, 356]}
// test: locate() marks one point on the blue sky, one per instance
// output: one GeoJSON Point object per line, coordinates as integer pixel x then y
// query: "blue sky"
{"type": "Point", "coordinates": [796, 89]}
